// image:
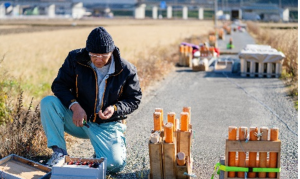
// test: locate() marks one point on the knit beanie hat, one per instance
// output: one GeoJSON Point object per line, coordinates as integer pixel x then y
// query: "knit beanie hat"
{"type": "Point", "coordinates": [99, 41]}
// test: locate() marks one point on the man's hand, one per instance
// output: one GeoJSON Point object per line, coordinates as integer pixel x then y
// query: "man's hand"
{"type": "Point", "coordinates": [108, 112]}
{"type": "Point", "coordinates": [78, 115]}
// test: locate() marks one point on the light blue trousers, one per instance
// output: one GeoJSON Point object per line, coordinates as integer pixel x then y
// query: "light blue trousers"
{"type": "Point", "coordinates": [107, 139]}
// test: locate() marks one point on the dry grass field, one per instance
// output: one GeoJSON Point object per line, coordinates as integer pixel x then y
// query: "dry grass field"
{"type": "Point", "coordinates": [33, 58]}
{"type": "Point", "coordinates": [31, 52]}
{"type": "Point", "coordinates": [285, 40]}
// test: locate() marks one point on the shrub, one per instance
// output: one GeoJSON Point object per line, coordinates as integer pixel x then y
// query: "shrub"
{"type": "Point", "coordinates": [23, 134]}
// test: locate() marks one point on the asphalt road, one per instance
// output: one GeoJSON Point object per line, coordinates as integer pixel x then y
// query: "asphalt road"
{"type": "Point", "coordinates": [217, 101]}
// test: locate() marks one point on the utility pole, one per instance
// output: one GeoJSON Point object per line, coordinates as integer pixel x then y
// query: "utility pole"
{"type": "Point", "coordinates": [216, 9]}
{"type": "Point", "coordinates": [279, 4]}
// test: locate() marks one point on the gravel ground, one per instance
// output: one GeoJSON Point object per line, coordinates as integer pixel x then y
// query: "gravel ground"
{"type": "Point", "coordinates": [217, 101]}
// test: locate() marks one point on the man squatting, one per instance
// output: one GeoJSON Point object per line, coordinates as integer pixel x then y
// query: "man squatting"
{"type": "Point", "coordinates": [94, 85]}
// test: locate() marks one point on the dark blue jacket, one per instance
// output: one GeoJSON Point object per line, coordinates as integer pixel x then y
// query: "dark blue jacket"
{"type": "Point", "coordinates": [77, 81]}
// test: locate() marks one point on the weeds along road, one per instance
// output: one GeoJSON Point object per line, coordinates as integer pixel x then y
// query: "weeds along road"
{"type": "Point", "coordinates": [217, 101]}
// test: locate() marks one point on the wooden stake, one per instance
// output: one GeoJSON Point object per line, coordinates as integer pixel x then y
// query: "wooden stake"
{"type": "Point", "coordinates": [232, 155]}
{"type": "Point", "coordinates": [184, 126]}
{"type": "Point", "coordinates": [157, 121]}
{"type": "Point", "coordinates": [242, 155]}
{"type": "Point", "coordinates": [169, 160]}
{"type": "Point", "coordinates": [168, 132]}
{"type": "Point", "coordinates": [263, 155]}
{"type": "Point", "coordinates": [252, 155]}
{"type": "Point", "coordinates": [184, 142]}
{"type": "Point", "coordinates": [156, 162]}
{"type": "Point", "coordinates": [273, 155]}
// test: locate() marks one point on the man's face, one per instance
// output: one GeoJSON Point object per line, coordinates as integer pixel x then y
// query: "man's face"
{"type": "Point", "coordinates": [100, 59]}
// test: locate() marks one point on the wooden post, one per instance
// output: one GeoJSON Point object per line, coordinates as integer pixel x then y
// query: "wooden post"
{"type": "Point", "coordinates": [184, 142]}
{"type": "Point", "coordinates": [156, 162]}
{"type": "Point", "coordinates": [263, 155]}
{"type": "Point", "coordinates": [273, 155]}
{"type": "Point", "coordinates": [242, 155]}
{"type": "Point", "coordinates": [231, 155]}
{"type": "Point", "coordinates": [252, 155]}
{"type": "Point", "coordinates": [181, 169]}
{"type": "Point", "coordinates": [169, 160]}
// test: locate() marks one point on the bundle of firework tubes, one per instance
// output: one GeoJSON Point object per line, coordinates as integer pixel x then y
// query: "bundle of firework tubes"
{"type": "Point", "coordinates": [170, 145]}
{"type": "Point", "coordinates": [253, 154]}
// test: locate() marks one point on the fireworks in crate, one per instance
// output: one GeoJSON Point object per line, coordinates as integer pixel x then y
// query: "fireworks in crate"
{"type": "Point", "coordinates": [253, 154]}
{"type": "Point", "coordinates": [170, 146]}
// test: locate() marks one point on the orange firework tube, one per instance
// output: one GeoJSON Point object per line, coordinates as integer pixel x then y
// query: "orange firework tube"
{"type": "Point", "coordinates": [252, 155]}
{"type": "Point", "coordinates": [181, 48]}
{"type": "Point", "coordinates": [157, 121]}
{"type": "Point", "coordinates": [231, 155]}
{"type": "Point", "coordinates": [169, 132]}
{"type": "Point", "coordinates": [171, 119]}
{"type": "Point", "coordinates": [162, 115]}
{"type": "Point", "coordinates": [263, 155]}
{"type": "Point", "coordinates": [188, 110]}
{"type": "Point", "coordinates": [184, 121]}
{"type": "Point", "coordinates": [190, 49]}
{"type": "Point", "coordinates": [180, 158]}
{"type": "Point", "coordinates": [242, 155]}
{"type": "Point", "coordinates": [273, 155]}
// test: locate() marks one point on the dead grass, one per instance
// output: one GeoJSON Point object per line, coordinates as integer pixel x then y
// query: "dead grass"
{"type": "Point", "coordinates": [22, 133]}
{"type": "Point", "coordinates": [287, 42]}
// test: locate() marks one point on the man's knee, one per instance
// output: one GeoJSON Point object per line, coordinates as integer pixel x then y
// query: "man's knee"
{"type": "Point", "coordinates": [48, 101]}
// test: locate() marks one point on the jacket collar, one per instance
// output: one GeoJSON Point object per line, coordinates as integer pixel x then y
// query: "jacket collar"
{"type": "Point", "coordinates": [84, 58]}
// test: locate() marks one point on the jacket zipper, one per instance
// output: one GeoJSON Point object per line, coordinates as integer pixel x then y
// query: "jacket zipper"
{"type": "Point", "coordinates": [96, 89]}
{"type": "Point", "coordinates": [95, 117]}
{"type": "Point", "coordinates": [103, 94]}
{"type": "Point", "coordinates": [76, 86]}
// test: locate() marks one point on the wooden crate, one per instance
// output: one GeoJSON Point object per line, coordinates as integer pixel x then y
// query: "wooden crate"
{"type": "Point", "coordinates": [16, 167]}
{"type": "Point", "coordinates": [252, 146]}
{"type": "Point", "coordinates": [184, 142]}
